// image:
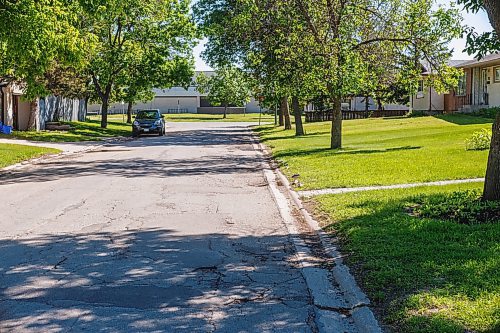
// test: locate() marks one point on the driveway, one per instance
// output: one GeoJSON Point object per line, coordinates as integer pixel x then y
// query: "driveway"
{"type": "Point", "coordinates": [162, 234]}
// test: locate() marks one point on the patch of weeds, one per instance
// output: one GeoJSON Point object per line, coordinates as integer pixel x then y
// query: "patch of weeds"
{"type": "Point", "coordinates": [461, 207]}
{"type": "Point", "coordinates": [480, 140]}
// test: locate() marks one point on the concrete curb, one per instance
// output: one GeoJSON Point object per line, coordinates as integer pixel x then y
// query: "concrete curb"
{"type": "Point", "coordinates": [34, 161]}
{"type": "Point", "coordinates": [340, 304]}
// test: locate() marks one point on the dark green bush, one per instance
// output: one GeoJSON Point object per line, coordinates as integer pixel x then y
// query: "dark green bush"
{"type": "Point", "coordinates": [461, 207]}
{"type": "Point", "coordinates": [486, 113]}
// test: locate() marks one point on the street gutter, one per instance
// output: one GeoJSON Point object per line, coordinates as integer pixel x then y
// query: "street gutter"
{"type": "Point", "coordinates": [340, 304]}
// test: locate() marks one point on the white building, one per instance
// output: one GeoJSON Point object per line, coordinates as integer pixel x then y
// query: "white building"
{"type": "Point", "coordinates": [180, 100]}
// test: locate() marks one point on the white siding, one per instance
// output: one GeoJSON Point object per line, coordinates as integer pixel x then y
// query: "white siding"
{"type": "Point", "coordinates": [253, 106]}
{"type": "Point", "coordinates": [164, 104]}
{"type": "Point", "coordinates": [422, 104]}
{"type": "Point", "coordinates": [493, 89]}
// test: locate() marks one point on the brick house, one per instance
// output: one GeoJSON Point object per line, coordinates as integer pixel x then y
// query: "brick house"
{"type": "Point", "coordinates": [479, 87]}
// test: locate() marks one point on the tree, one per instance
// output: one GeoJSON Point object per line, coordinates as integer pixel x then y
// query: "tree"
{"type": "Point", "coordinates": [125, 31]}
{"type": "Point", "coordinates": [260, 36]}
{"type": "Point", "coordinates": [36, 34]}
{"type": "Point", "coordinates": [481, 45]}
{"type": "Point", "coordinates": [229, 86]}
{"type": "Point", "coordinates": [341, 30]}
{"type": "Point", "coordinates": [152, 70]}
{"type": "Point", "coordinates": [317, 46]}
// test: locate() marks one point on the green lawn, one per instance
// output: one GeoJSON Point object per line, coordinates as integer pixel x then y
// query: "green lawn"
{"type": "Point", "coordinates": [380, 151]}
{"type": "Point", "coordinates": [82, 131]}
{"type": "Point", "coordinates": [12, 154]}
{"type": "Point", "coordinates": [422, 275]}
{"type": "Point", "coordinates": [188, 117]}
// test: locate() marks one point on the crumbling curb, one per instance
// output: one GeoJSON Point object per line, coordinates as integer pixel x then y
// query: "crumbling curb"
{"type": "Point", "coordinates": [341, 305]}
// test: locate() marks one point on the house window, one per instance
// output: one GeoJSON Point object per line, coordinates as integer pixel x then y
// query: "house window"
{"type": "Point", "coordinates": [420, 86]}
{"type": "Point", "coordinates": [462, 85]}
{"type": "Point", "coordinates": [420, 90]}
{"type": "Point", "coordinates": [497, 74]}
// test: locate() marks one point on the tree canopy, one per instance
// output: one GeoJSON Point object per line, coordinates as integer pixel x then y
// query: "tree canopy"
{"type": "Point", "coordinates": [150, 38]}
{"type": "Point", "coordinates": [37, 34]}
{"type": "Point", "coordinates": [229, 86]}
{"type": "Point", "coordinates": [326, 47]}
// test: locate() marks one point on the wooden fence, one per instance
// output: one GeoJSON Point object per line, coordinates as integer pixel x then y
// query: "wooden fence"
{"type": "Point", "coordinates": [327, 115]}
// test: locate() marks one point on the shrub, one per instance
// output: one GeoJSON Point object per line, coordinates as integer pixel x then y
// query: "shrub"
{"type": "Point", "coordinates": [461, 207]}
{"type": "Point", "coordinates": [415, 114]}
{"type": "Point", "coordinates": [486, 113]}
{"type": "Point", "coordinates": [480, 140]}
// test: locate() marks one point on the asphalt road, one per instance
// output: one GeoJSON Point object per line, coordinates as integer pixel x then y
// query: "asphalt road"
{"type": "Point", "coordinates": [162, 234]}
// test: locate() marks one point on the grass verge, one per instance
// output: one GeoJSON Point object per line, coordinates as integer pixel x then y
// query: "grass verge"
{"type": "Point", "coordinates": [81, 131]}
{"type": "Point", "coordinates": [423, 275]}
{"type": "Point", "coordinates": [12, 154]}
{"type": "Point", "coordinates": [380, 151]}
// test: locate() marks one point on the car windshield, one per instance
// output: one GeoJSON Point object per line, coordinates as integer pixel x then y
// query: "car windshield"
{"type": "Point", "coordinates": [147, 115]}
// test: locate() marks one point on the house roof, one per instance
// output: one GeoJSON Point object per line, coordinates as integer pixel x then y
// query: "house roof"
{"type": "Point", "coordinates": [457, 63]}
{"type": "Point", "coordinates": [452, 63]}
{"type": "Point", "coordinates": [487, 60]}
{"type": "Point", "coordinates": [491, 59]}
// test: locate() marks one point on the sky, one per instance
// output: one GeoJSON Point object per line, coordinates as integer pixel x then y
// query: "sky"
{"type": "Point", "coordinates": [479, 21]}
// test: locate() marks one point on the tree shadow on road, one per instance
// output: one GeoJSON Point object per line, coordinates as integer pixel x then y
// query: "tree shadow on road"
{"type": "Point", "coordinates": [151, 281]}
{"type": "Point", "coordinates": [235, 160]}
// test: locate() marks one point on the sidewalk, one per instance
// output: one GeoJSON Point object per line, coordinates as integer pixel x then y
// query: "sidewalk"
{"type": "Point", "coordinates": [313, 193]}
{"type": "Point", "coordinates": [65, 147]}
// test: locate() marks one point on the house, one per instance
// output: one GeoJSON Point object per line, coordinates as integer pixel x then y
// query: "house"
{"type": "Point", "coordinates": [479, 87]}
{"type": "Point", "coordinates": [15, 110]}
{"type": "Point", "coordinates": [181, 100]}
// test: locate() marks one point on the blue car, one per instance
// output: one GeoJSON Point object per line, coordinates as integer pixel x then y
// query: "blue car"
{"type": "Point", "coordinates": [148, 122]}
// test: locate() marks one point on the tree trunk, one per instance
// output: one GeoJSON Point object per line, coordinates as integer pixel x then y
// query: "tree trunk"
{"type": "Point", "coordinates": [336, 139]}
{"type": "Point", "coordinates": [493, 9]}
{"type": "Point", "coordinates": [367, 104]}
{"type": "Point", "coordinates": [276, 115]}
{"type": "Point", "coordinates": [57, 112]}
{"type": "Point", "coordinates": [286, 113]}
{"type": "Point", "coordinates": [492, 184]}
{"type": "Point", "coordinates": [281, 114]}
{"type": "Point", "coordinates": [225, 111]}
{"type": "Point", "coordinates": [129, 112]}
{"type": "Point", "coordinates": [34, 115]}
{"type": "Point", "coordinates": [104, 111]}
{"type": "Point", "coordinates": [379, 103]}
{"type": "Point", "coordinates": [297, 112]}
{"type": "Point", "coordinates": [86, 109]}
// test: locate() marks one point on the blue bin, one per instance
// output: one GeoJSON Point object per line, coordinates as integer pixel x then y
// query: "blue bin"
{"type": "Point", "coordinates": [7, 129]}
{"type": "Point", "coordinates": [1, 127]}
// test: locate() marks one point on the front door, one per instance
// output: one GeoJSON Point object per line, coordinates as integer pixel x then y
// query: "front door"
{"type": "Point", "coordinates": [15, 112]}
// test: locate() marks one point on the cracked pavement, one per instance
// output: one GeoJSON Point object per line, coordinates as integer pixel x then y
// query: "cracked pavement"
{"type": "Point", "coordinates": [162, 234]}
